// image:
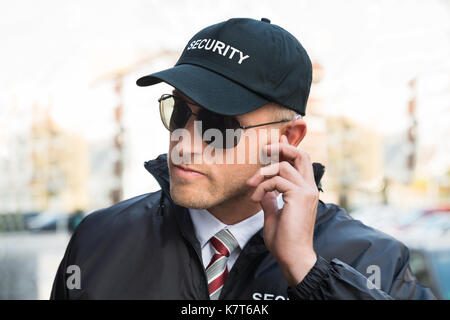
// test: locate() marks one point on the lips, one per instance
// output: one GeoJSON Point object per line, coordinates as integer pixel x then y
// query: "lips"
{"type": "Point", "coordinates": [186, 172]}
{"type": "Point", "coordinates": [182, 167]}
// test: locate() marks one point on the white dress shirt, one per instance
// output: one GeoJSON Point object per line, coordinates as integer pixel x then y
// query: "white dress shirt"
{"type": "Point", "coordinates": [206, 226]}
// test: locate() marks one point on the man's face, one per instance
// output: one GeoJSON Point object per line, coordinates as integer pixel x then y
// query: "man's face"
{"type": "Point", "coordinates": [213, 183]}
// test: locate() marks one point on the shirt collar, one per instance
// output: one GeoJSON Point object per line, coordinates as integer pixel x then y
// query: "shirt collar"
{"type": "Point", "coordinates": [207, 225]}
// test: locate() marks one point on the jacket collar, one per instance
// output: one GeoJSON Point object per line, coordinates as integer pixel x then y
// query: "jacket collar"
{"type": "Point", "coordinates": [160, 171]}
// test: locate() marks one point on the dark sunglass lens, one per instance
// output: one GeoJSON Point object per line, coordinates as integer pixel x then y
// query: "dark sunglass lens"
{"type": "Point", "coordinates": [180, 114]}
{"type": "Point", "coordinates": [214, 129]}
{"type": "Point", "coordinates": [234, 134]}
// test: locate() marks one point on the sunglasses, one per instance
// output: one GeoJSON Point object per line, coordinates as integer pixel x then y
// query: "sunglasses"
{"type": "Point", "coordinates": [175, 113]}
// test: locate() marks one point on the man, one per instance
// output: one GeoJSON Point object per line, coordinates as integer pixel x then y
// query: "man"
{"type": "Point", "coordinates": [227, 222]}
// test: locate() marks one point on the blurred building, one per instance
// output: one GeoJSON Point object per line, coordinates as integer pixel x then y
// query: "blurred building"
{"type": "Point", "coordinates": [112, 160]}
{"type": "Point", "coordinates": [355, 157]}
{"type": "Point", "coordinates": [60, 165]}
{"type": "Point", "coordinates": [352, 154]}
{"type": "Point", "coordinates": [315, 140]}
{"type": "Point", "coordinates": [44, 167]}
{"type": "Point", "coordinates": [102, 156]}
{"type": "Point", "coordinates": [15, 151]}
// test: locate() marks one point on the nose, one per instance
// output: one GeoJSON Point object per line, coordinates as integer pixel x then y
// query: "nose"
{"type": "Point", "coordinates": [189, 141]}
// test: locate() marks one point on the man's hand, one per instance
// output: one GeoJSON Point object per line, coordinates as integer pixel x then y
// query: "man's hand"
{"type": "Point", "coordinates": [288, 232]}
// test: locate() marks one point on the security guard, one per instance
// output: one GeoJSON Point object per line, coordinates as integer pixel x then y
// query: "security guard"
{"type": "Point", "coordinates": [227, 222]}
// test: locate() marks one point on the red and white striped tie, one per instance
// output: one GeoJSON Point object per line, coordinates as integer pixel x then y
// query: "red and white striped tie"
{"type": "Point", "coordinates": [223, 243]}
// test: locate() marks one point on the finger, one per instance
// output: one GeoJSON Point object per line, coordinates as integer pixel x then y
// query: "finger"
{"type": "Point", "coordinates": [276, 183]}
{"type": "Point", "coordinates": [284, 169]}
{"type": "Point", "coordinates": [289, 152]}
{"type": "Point", "coordinates": [300, 159]}
{"type": "Point", "coordinates": [269, 204]}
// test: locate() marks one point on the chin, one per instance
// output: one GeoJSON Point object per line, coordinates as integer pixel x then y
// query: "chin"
{"type": "Point", "coordinates": [187, 197]}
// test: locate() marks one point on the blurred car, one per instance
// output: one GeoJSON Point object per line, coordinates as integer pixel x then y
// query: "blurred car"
{"type": "Point", "coordinates": [29, 215]}
{"type": "Point", "coordinates": [406, 223]}
{"type": "Point", "coordinates": [47, 221]}
{"type": "Point", "coordinates": [432, 268]}
{"type": "Point", "coordinates": [426, 232]}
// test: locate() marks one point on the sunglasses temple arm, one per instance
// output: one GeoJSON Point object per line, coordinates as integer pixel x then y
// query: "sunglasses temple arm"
{"type": "Point", "coordinates": [267, 123]}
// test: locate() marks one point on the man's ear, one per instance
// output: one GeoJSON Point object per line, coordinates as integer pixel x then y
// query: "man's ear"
{"type": "Point", "coordinates": [295, 131]}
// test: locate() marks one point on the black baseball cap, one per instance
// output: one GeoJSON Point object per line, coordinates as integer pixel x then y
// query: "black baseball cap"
{"type": "Point", "coordinates": [239, 65]}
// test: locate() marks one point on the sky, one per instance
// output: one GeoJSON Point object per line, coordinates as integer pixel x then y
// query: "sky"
{"type": "Point", "coordinates": [53, 51]}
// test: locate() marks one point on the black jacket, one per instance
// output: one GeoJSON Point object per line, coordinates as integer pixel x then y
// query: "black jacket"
{"type": "Point", "coordinates": [145, 248]}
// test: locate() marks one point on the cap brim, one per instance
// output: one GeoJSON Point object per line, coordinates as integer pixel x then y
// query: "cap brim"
{"type": "Point", "coordinates": [207, 88]}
